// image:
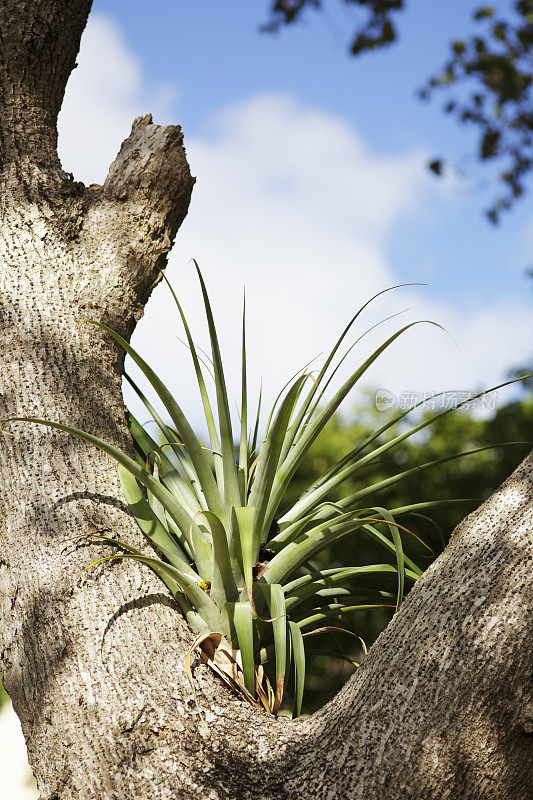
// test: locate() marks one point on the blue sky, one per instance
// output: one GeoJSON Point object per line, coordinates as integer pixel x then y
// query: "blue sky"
{"type": "Point", "coordinates": [216, 56]}
{"type": "Point", "coordinates": [312, 186]}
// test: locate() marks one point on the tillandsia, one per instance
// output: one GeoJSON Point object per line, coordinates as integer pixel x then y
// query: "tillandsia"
{"type": "Point", "coordinates": [242, 568]}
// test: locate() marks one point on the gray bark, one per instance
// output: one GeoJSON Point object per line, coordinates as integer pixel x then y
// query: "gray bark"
{"type": "Point", "coordinates": [442, 707]}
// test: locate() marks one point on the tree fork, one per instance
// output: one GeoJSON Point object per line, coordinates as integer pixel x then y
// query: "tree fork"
{"type": "Point", "coordinates": [442, 708]}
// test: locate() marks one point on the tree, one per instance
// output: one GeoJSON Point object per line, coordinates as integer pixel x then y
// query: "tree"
{"type": "Point", "coordinates": [490, 72]}
{"type": "Point", "coordinates": [94, 662]}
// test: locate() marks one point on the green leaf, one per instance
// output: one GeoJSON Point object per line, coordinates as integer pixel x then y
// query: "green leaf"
{"type": "Point", "coordinates": [347, 594]}
{"type": "Point", "coordinates": [253, 444]}
{"type": "Point", "coordinates": [234, 547]}
{"type": "Point", "coordinates": [149, 524]}
{"type": "Point", "coordinates": [165, 430]}
{"type": "Point", "coordinates": [335, 611]}
{"type": "Point", "coordinates": [309, 500]}
{"type": "Point", "coordinates": [305, 406]}
{"type": "Point", "coordinates": [243, 446]}
{"type": "Point", "coordinates": [231, 482]}
{"type": "Point", "coordinates": [282, 390]}
{"type": "Point", "coordinates": [298, 651]}
{"type": "Point", "coordinates": [199, 599]}
{"type": "Point", "coordinates": [243, 621]}
{"type": "Point", "coordinates": [351, 456]}
{"type": "Point", "coordinates": [295, 456]}
{"type": "Point", "coordinates": [243, 520]}
{"type": "Point", "coordinates": [295, 554]}
{"type": "Point", "coordinates": [268, 463]}
{"type": "Point", "coordinates": [211, 425]}
{"type": "Point", "coordinates": [171, 452]}
{"type": "Point", "coordinates": [396, 512]}
{"type": "Point", "coordinates": [184, 488]}
{"type": "Point", "coordinates": [275, 598]}
{"type": "Point", "coordinates": [327, 585]}
{"type": "Point", "coordinates": [193, 446]}
{"type": "Point", "coordinates": [346, 502]}
{"type": "Point", "coordinates": [142, 441]}
{"type": "Point", "coordinates": [193, 618]}
{"type": "Point", "coordinates": [174, 508]}
{"type": "Point", "coordinates": [391, 546]}
{"type": "Point", "coordinates": [336, 574]}
{"type": "Point", "coordinates": [317, 400]}
{"type": "Point", "coordinates": [223, 586]}
{"type": "Point", "coordinates": [396, 538]}
{"type": "Point", "coordinates": [181, 488]}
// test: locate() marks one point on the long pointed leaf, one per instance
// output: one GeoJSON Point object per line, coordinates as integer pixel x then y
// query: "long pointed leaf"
{"type": "Point", "coordinates": [334, 584]}
{"type": "Point", "coordinates": [149, 524]}
{"type": "Point", "coordinates": [296, 510]}
{"type": "Point", "coordinates": [170, 503]}
{"type": "Point", "coordinates": [208, 412]}
{"type": "Point", "coordinates": [253, 444]}
{"type": "Point", "coordinates": [400, 559]}
{"type": "Point", "coordinates": [190, 490]}
{"type": "Point", "coordinates": [386, 482]}
{"type": "Point", "coordinates": [194, 619]}
{"type": "Point", "coordinates": [298, 651]}
{"type": "Point", "coordinates": [334, 611]}
{"type": "Point", "coordinates": [275, 598]}
{"type": "Point", "coordinates": [297, 553]}
{"type": "Point", "coordinates": [243, 445]}
{"type": "Point", "coordinates": [268, 463]}
{"type": "Point", "coordinates": [295, 456]}
{"type": "Point", "coordinates": [234, 548]}
{"type": "Point", "coordinates": [317, 400]}
{"type": "Point", "coordinates": [194, 448]}
{"type": "Point", "coordinates": [200, 600]}
{"type": "Point", "coordinates": [307, 502]}
{"type": "Point", "coordinates": [243, 621]}
{"type": "Point", "coordinates": [231, 482]}
{"type": "Point", "coordinates": [337, 575]}
{"type": "Point", "coordinates": [223, 586]}
{"type": "Point", "coordinates": [243, 518]}
{"type": "Point", "coordinates": [305, 406]}
{"type": "Point", "coordinates": [177, 483]}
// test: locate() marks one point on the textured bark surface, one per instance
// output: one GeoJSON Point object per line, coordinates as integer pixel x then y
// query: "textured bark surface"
{"type": "Point", "coordinates": [443, 706]}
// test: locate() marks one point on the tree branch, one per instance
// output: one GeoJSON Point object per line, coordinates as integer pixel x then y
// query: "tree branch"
{"type": "Point", "coordinates": [143, 202]}
{"type": "Point", "coordinates": [39, 41]}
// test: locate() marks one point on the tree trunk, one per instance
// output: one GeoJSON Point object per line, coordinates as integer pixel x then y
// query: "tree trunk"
{"type": "Point", "coordinates": [94, 662]}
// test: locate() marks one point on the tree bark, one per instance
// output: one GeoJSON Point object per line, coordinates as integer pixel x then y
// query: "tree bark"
{"type": "Point", "coordinates": [94, 662]}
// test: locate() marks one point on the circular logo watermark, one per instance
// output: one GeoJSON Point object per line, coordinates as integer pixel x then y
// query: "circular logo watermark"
{"type": "Point", "coordinates": [384, 399]}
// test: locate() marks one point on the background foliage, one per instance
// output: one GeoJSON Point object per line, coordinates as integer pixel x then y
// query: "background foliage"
{"type": "Point", "coordinates": [473, 477]}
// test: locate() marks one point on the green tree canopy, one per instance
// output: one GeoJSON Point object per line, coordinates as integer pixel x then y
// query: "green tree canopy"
{"type": "Point", "coordinates": [473, 477]}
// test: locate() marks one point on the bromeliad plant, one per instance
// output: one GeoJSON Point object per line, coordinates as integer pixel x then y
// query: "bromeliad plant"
{"type": "Point", "coordinates": [245, 577]}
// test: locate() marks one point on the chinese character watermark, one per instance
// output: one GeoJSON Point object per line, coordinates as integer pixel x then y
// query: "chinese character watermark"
{"type": "Point", "coordinates": [435, 401]}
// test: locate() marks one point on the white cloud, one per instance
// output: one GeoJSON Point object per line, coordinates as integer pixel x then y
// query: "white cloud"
{"type": "Point", "coordinates": [306, 229]}
{"type": "Point", "coordinates": [292, 203]}
{"type": "Point", "coordinates": [104, 95]}
{"type": "Point", "coordinates": [488, 341]}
